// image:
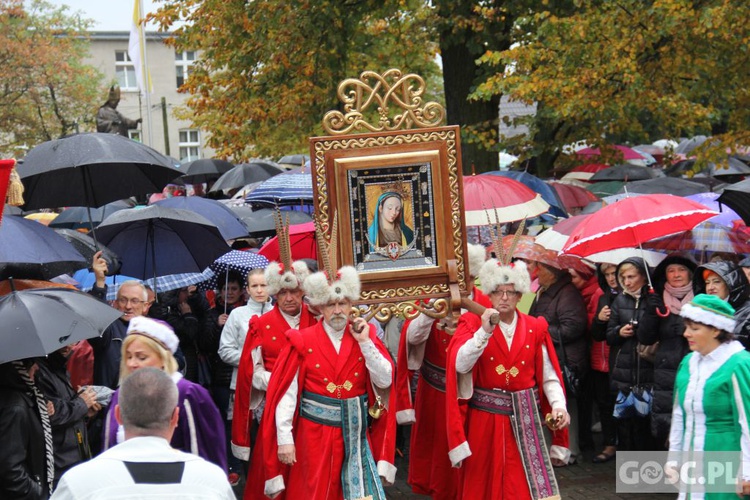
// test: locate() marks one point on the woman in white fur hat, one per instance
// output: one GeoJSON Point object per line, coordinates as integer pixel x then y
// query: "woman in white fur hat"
{"type": "Point", "coordinates": [200, 430]}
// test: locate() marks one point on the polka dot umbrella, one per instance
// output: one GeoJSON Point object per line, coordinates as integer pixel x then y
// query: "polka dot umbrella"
{"type": "Point", "coordinates": [235, 260]}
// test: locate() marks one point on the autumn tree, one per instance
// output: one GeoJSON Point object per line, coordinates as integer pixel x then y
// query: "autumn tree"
{"type": "Point", "coordinates": [269, 70]}
{"type": "Point", "coordinates": [627, 71]}
{"type": "Point", "coordinates": [46, 89]}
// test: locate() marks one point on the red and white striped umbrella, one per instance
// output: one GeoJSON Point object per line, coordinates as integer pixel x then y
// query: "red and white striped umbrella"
{"type": "Point", "coordinates": [487, 195]}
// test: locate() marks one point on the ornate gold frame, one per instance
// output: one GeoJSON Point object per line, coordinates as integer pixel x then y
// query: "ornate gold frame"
{"type": "Point", "coordinates": [400, 291]}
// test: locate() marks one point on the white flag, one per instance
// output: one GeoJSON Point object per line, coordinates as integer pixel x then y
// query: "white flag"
{"type": "Point", "coordinates": [136, 50]}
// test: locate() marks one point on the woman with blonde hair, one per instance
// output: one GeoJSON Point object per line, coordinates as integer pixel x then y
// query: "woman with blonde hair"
{"type": "Point", "coordinates": [152, 343]}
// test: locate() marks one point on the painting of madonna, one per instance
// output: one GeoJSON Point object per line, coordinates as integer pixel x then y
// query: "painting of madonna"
{"type": "Point", "coordinates": [388, 224]}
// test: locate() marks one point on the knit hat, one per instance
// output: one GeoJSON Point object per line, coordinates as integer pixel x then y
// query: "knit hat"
{"type": "Point", "coordinates": [477, 257]}
{"type": "Point", "coordinates": [710, 310]}
{"type": "Point", "coordinates": [494, 273]}
{"type": "Point", "coordinates": [156, 330]}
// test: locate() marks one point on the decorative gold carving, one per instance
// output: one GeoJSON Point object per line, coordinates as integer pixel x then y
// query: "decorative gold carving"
{"type": "Point", "coordinates": [436, 309]}
{"type": "Point", "coordinates": [384, 93]}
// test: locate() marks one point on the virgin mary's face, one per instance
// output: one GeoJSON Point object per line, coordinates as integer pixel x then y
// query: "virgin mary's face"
{"type": "Point", "coordinates": [390, 210]}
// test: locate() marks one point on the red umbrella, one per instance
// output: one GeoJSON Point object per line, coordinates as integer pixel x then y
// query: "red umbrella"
{"type": "Point", "coordinates": [584, 172]}
{"type": "Point", "coordinates": [627, 153]}
{"type": "Point", "coordinates": [573, 197]}
{"type": "Point", "coordinates": [556, 236]}
{"type": "Point", "coordinates": [512, 199]}
{"type": "Point", "coordinates": [632, 221]}
{"type": "Point", "coordinates": [301, 239]}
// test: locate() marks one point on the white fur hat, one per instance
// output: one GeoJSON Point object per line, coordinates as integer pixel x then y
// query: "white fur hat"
{"type": "Point", "coordinates": [493, 274]}
{"type": "Point", "coordinates": [278, 278]}
{"type": "Point", "coordinates": [154, 329]}
{"type": "Point", "coordinates": [345, 285]}
{"type": "Point", "coordinates": [477, 255]}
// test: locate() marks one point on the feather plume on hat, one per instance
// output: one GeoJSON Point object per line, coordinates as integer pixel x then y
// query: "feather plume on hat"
{"type": "Point", "coordinates": [284, 275]}
{"type": "Point", "coordinates": [331, 284]}
{"type": "Point", "coordinates": [502, 271]}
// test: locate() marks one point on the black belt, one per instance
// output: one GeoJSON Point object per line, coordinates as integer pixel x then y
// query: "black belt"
{"type": "Point", "coordinates": [433, 375]}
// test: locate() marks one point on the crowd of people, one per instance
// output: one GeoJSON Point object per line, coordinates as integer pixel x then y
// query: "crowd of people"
{"type": "Point", "coordinates": [275, 378]}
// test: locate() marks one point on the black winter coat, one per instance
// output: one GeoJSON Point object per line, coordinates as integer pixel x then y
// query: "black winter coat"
{"type": "Point", "coordinates": [668, 331]}
{"type": "Point", "coordinates": [565, 310]}
{"type": "Point", "coordinates": [69, 420]}
{"type": "Point", "coordinates": [23, 471]}
{"type": "Point", "coordinates": [739, 294]}
{"type": "Point", "coordinates": [625, 366]}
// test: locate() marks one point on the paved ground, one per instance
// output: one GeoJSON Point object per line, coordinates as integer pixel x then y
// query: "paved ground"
{"type": "Point", "coordinates": [582, 481]}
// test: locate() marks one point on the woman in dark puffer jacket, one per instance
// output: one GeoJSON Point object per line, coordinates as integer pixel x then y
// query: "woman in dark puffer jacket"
{"type": "Point", "coordinates": [626, 367]}
{"type": "Point", "coordinates": [662, 323]}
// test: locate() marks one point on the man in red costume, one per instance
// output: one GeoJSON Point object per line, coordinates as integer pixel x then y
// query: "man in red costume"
{"type": "Point", "coordinates": [500, 369]}
{"type": "Point", "coordinates": [317, 403]}
{"type": "Point", "coordinates": [266, 338]}
{"type": "Point", "coordinates": [424, 347]}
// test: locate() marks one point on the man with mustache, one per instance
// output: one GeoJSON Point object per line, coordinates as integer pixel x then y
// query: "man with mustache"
{"type": "Point", "coordinates": [318, 399]}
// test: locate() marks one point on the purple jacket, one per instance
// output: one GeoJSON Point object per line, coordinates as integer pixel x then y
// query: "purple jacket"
{"type": "Point", "coordinates": [200, 429]}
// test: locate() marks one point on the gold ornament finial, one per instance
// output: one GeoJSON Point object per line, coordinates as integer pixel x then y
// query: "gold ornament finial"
{"type": "Point", "coordinates": [396, 98]}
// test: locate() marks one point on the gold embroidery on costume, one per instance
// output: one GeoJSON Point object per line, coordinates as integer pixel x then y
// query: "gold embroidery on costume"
{"type": "Point", "coordinates": [331, 387]}
{"type": "Point", "coordinates": [512, 372]}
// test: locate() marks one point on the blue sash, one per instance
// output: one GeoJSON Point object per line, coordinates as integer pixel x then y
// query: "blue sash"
{"type": "Point", "coordinates": [359, 474]}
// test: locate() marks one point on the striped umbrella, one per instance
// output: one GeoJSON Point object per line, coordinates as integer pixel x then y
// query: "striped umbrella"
{"type": "Point", "coordinates": [290, 188]}
{"type": "Point", "coordinates": [705, 237]}
{"type": "Point", "coordinates": [86, 280]}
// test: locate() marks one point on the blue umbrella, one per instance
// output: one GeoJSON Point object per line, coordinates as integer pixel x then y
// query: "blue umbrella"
{"type": "Point", "coordinates": [86, 280]}
{"type": "Point", "coordinates": [33, 251]}
{"type": "Point", "coordinates": [290, 188]}
{"type": "Point", "coordinates": [547, 192]}
{"type": "Point", "coordinates": [242, 262]}
{"type": "Point", "coordinates": [229, 225]}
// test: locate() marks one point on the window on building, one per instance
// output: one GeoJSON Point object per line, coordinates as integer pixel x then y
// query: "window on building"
{"type": "Point", "coordinates": [125, 71]}
{"type": "Point", "coordinates": [135, 134]}
{"type": "Point", "coordinates": [183, 65]}
{"type": "Point", "coordinates": [190, 144]}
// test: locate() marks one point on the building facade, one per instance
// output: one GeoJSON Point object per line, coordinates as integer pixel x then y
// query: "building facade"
{"type": "Point", "coordinates": [168, 70]}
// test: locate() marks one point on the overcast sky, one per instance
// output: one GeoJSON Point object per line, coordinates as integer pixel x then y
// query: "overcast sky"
{"type": "Point", "coordinates": [108, 15]}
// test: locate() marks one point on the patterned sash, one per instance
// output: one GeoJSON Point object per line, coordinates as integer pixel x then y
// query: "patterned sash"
{"type": "Point", "coordinates": [528, 429]}
{"type": "Point", "coordinates": [359, 475]}
{"type": "Point", "coordinates": [433, 375]}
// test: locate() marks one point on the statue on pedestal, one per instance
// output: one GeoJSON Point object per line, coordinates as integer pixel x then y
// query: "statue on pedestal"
{"type": "Point", "coordinates": [109, 120]}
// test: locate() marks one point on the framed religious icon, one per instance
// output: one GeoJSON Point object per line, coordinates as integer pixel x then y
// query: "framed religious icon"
{"type": "Point", "coordinates": [396, 196]}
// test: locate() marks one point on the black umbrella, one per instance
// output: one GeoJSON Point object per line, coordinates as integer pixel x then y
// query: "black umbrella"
{"type": "Point", "coordinates": [732, 166]}
{"type": "Point", "coordinates": [204, 170]}
{"type": "Point", "coordinates": [247, 173]}
{"type": "Point", "coordinates": [665, 185]}
{"type": "Point", "coordinates": [261, 223]}
{"type": "Point", "coordinates": [737, 197]}
{"type": "Point", "coordinates": [78, 217]}
{"type": "Point", "coordinates": [91, 170]}
{"type": "Point", "coordinates": [293, 160]}
{"type": "Point", "coordinates": [625, 172]}
{"type": "Point", "coordinates": [37, 322]}
{"type": "Point", "coordinates": [157, 241]}
{"type": "Point", "coordinates": [31, 250]}
{"type": "Point", "coordinates": [87, 247]}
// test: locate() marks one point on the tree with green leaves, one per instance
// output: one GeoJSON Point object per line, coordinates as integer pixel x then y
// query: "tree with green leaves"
{"type": "Point", "coordinates": [47, 90]}
{"type": "Point", "coordinates": [269, 70]}
{"type": "Point", "coordinates": [627, 71]}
